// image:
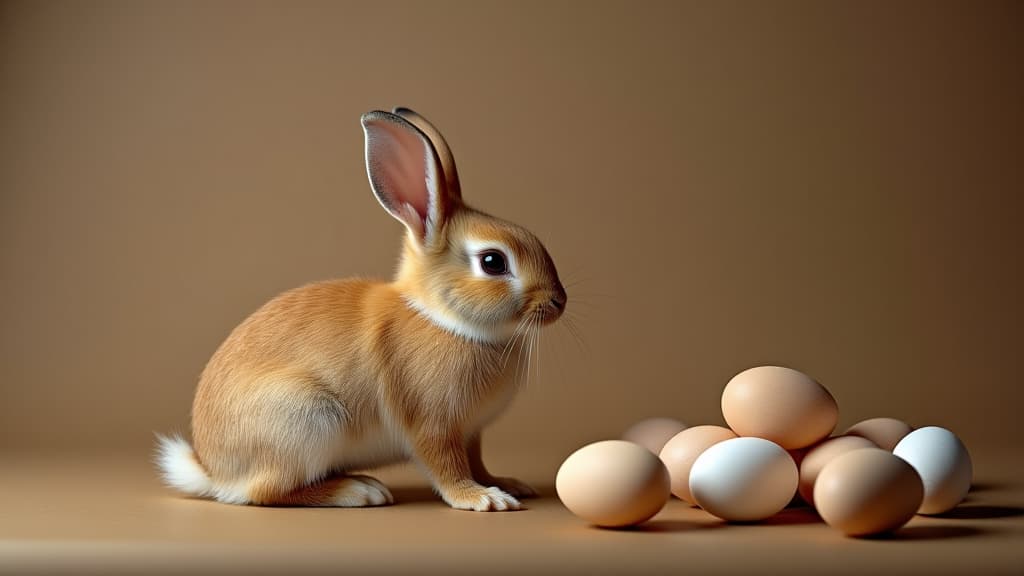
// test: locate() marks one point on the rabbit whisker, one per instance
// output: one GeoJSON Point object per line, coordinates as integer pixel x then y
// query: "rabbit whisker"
{"type": "Point", "coordinates": [527, 346]}
{"type": "Point", "coordinates": [589, 294]}
{"type": "Point", "coordinates": [529, 355]}
{"type": "Point", "coordinates": [519, 353]}
{"type": "Point", "coordinates": [535, 334]}
{"type": "Point", "coordinates": [538, 350]}
{"type": "Point", "coordinates": [573, 329]}
{"type": "Point", "coordinates": [535, 348]}
{"type": "Point", "coordinates": [507, 352]}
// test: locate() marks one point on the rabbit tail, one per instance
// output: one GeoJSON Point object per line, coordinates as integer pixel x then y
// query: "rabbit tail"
{"type": "Point", "coordinates": [180, 468]}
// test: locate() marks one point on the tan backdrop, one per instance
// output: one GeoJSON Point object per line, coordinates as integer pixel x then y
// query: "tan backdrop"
{"type": "Point", "coordinates": [829, 186]}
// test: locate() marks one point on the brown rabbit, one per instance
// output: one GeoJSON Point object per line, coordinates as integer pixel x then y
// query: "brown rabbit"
{"type": "Point", "coordinates": [345, 375]}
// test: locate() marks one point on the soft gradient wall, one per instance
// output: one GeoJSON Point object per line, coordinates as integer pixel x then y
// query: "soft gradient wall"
{"type": "Point", "coordinates": [833, 186]}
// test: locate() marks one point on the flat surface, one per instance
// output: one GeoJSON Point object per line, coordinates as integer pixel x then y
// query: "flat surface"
{"type": "Point", "coordinates": [830, 186]}
{"type": "Point", "coordinates": [111, 516]}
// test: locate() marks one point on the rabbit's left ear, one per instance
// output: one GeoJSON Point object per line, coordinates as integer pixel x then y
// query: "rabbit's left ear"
{"type": "Point", "coordinates": [406, 175]}
{"type": "Point", "coordinates": [444, 153]}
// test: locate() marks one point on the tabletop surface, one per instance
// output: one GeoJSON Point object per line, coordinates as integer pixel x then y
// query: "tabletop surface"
{"type": "Point", "coordinates": [110, 515]}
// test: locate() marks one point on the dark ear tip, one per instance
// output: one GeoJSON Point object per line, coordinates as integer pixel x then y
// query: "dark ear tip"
{"type": "Point", "coordinates": [401, 110]}
{"type": "Point", "coordinates": [376, 116]}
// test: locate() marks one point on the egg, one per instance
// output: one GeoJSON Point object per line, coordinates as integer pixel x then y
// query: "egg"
{"type": "Point", "coordinates": [779, 404]}
{"type": "Point", "coordinates": [820, 455]}
{"type": "Point", "coordinates": [743, 479]}
{"type": "Point", "coordinates": [944, 464]}
{"type": "Point", "coordinates": [613, 483]}
{"type": "Point", "coordinates": [683, 449]}
{"type": "Point", "coordinates": [867, 491]}
{"type": "Point", "coordinates": [652, 433]}
{"type": "Point", "coordinates": [885, 432]}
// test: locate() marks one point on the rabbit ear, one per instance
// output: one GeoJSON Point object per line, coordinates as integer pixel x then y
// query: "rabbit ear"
{"type": "Point", "coordinates": [444, 153]}
{"type": "Point", "coordinates": [406, 174]}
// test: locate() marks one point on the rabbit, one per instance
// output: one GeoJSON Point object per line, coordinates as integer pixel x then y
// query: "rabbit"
{"type": "Point", "coordinates": [345, 375]}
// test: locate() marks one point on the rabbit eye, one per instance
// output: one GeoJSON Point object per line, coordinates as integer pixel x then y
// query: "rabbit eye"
{"type": "Point", "coordinates": [493, 263]}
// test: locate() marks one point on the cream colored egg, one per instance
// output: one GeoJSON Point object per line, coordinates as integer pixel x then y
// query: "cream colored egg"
{"type": "Point", "coordinates": [652, 433]}
{"type": "Point", "coordinates": [820, 455]}
{"type": "Point", "coordinates": [885, 432]}
{"type": "Point", "coordinates": [682, 450]}
{"type": "Point", "coordinates": [743, 479]}
{"type": "Point", "coordinates": [613, 483]}
{"type": "Point", "coordinates": [779, 404]}
{"type": "Point", "coordinates": [867, 491]}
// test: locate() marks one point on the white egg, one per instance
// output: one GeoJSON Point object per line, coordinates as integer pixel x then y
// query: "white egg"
{"type": "Point", "coordinates": [943, 463]}
{"type": "Point", "coordinates": [743, 479]}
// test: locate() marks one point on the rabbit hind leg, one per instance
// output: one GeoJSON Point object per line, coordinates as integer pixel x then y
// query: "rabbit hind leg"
{"type": "Point", "coordinates": [280, 452]}
{"type": "Point", "coordinates": [342, 491]}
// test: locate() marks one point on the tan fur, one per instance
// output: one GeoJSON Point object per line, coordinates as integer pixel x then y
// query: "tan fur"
{"type": "Point", "coordinates": [345, 375]}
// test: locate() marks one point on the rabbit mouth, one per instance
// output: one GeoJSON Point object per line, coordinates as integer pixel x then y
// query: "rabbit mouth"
{"type": "Point", "coordinates": [548, 312]}
{"type": "Point", "coordinates": [544, 307]}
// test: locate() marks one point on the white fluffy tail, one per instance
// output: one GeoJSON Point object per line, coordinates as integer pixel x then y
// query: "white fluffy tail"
{"type": "Point", "coordinates": [179, 467]}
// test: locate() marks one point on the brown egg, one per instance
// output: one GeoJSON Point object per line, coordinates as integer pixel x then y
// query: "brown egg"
{"type": "Point", "coordinates": [867, 491]}
{"type": "Point", "coordinates": [652, 433]}
{"type": "Point", "coordinates": [613, 483]}
{"type": "Point", "coordinates": [779, 404]}
{"type": "Point", "coordinates": [683, 448]}
{"type": "Point", "coordinates": [820, 455]}
{"type": "Point", "coordinates": [885, 432]}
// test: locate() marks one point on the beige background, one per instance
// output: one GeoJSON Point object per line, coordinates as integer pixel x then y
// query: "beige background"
{"type": "Point", "coordinates": [833, 186]}
{"type": "Point", "coordinates": [829, 186]}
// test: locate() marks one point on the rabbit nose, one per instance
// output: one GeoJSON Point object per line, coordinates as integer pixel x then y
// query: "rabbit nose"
{"type": "Point", "coordinates": [560, 298]}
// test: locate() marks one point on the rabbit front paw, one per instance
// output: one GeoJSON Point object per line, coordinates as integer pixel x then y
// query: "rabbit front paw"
{"type": "Point", "coordinates": [515, 487]}
{"type": "Point", "coordinates": [480, 498]}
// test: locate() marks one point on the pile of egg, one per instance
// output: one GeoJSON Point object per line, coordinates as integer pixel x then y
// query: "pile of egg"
{"type": "Point", "coordinates": [871, 479]}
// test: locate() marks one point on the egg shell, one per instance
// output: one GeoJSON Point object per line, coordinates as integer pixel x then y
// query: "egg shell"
{"type": "Point", "coordinates": [820, 455]}
{"type": "Point", "coordinates": [743, 479]}
{"type": "Point", "coordinates": [867, 491]}
{"type": "Point", "coordinates": [779, 404]}
{"type": "Point", "coordinates": [944, 464]}
{"type": "Point", "coordinates": [653, 433]}
{"type": "Point", "coordinates": [884, 432]}
{"type": "Point", "coordinates": [683, 449]}
{"type": "Point", "coordinates": [613, 483]}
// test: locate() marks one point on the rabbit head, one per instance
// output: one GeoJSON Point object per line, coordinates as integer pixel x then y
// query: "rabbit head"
{"type": "Point", "coordinates": [469, 272]}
